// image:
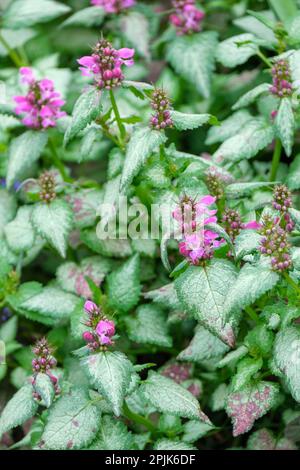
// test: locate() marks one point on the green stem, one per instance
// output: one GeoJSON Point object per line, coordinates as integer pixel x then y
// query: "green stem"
{"type": "Point", "coordinates": [58, 163]}
{"type": "Point", "coordinates": [264, 59]}
{"type": "Point", "coordinates": [291, 282]}
{"type": "Point", "coordinates": [12, 54]}
{"type": "Point", "coordinates": [252, 314]}
{"type": "Point", "coordinates": [117, 116]}
{"type": "Point", "coordinates": [275, 160]}
{"type": "Point", "coordinates": [139, 419]}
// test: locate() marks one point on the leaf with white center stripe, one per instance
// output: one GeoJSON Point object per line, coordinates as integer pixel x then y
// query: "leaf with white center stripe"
{"type": "Point", "coordinates": [53, 222]}
{"type": "Point", "coordinates": [44, 387]}
{"type": "Point", "coordinates": [142, 144]}
{"type": "Point", "coordinates": [228, 128]}
{"type": "Point", "coordinates": [22, 13]}
{"type": "Point", "coordinates": [51, 302]}
{"type": "Point", "coordinates": [203, 292]}
{"type": "Point", "coordinates": [113, 435]}
{"type": "Point", "coordinates": [24, 151]}
{"type": "Point", "coordinates": [123, 285]}
{"type": "Point", "coordinates": [285, 125]}
{"type": "Point", "coordinates": [8, 207]}
{"type": "Point", "coordinates": [169, 397]}
{"type": "Point", "coordinates": [237, 50]}
{"type": "Point", "coordinates": [183, 121]}
{"type": "Point", "coordinates": [19, 409]}
{"type": "Point", "coordinates": [287, 358]}
{"type": "Point", "coordinates": [111, 373]}
{"type": "Point", "coordinates": [251, 96]}
{"type": "Point", "coordinates": [72, 423]}
{"type": "Point", "coordinates": [204, 346]}
{"type": "Point", "coordinates": [19, 233]}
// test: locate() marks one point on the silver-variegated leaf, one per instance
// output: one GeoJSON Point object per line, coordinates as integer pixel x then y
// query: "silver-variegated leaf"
{"type": "Point", "coordinates": [287, 358]}
{"type": "Point", "coordinates": [20, 407]}
{"type": "Point", "coordinates": [285, 125]}
{"type": "Point", "coordinates": [19, 233]}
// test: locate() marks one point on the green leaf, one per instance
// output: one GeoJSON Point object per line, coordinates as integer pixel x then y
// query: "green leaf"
{"type": "Point", "coordinates": [91, 16]}
{"type": "Point", "coordinates": [251, 96]}
{"type": "Point", "coordinates": [15, 40]}
{"type": "Point", "coordinates": [287, 358]}
{"type": "Point", "coordinates": [239, 190]}
{"type": "Point", "coordinates": [113, 435]}
{"type": "Point", "coordinates": [166, 296]}
{"type": "Point", "coordinates": [111, 373]}
{"type": "Point", "coordinates": [233, 356]}
{"type": "Point", "coordinates": [169, 397]}
{"type": "Point", "coordinates": [19, 233]}
{"type": "Point", "coordinates": [246, 369]}
{"type": "Point", "coordinates": [22, 13]}
{"type": "Point", "coordinates": [263, 439]}
{"type": "Point", "coordinates": [170, 444]}
{"type": "Point", "coordinates": [149, 326]}
{"type": "Point", "coordinates": [194, 430]}
{"type": "Point", "coordinates": [249, 404]}
{"type": "Point", "coordinates": [252, 282]}
{"type": "Point", "coordinates": [183, 121]}
{"type": "Point", "coordinates": [286, 11]}
{"type": "Point", "coordinates": [293, 178]}
{"type": "Point", "coordinates": [142, 144]}
{"type": "Point", "coordinates": [260, 24]}
{"type": "Point", "coordinates": [192, 57]}
{"type": "Point", "coordinates": [248, 241]}
{"type": "Point", "coordinates": [203, 292]}
{"type": "Point", "coordinates": [204, 346]}
{"type": "Point", "coordinates": [72, 423]}
{"type": "Point", "coordinates": [135, 28]}
{"type": "Point", "coordinates": [24, 151]}
{"type": "Point", "coordinates": [8, 330]}
{"type": "Point", "coordinates": [116, 248]}
{"type": "Point", "coordinates": [228, 128]}
{"type": "Point", "coordinates": [123, 285]}
{"type": "Point", "coordinates": [218, 398]}
{"type": "Point", "coordinates": [285, 125]}
{"type": "Point", "coordinates": [85, 204]}
{"type": "Point", "coordinates": [20, 407]}
{"type": "Point", "coordinates": [53, 222]}
{"type": "Point", "coordinates": [237, 49]}
{"type": "Point", "coordinates": [44, 387]}
{"type": "Point", "coordinates": [259, 341]}
{"type": "Point", "coordinates": [85, 111]}
{"type": "Point", "coordinates": [51, 302]}
{"type": "Point", "coordinates": [8, 207]}
{"type": "Point", "coordinates": [256, 135]}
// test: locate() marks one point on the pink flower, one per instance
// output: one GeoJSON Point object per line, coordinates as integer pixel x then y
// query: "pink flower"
{"type": "Point", "coordinates": [105, 64]}
{"type": "Point", "coordinates": [41, 106]}
{"type": "Point", "coordinates": [252, 225]}
{"type": "Point", "coordinates": [105, 330]}
{"type": "Point", "coordinates": [187, 18]}
{"type": "Point", "coordinates": [113, 6]}
{"type": "Point", "coordinates": [198, 242]}
{"type": "Point", "coordinates": [90, 307]}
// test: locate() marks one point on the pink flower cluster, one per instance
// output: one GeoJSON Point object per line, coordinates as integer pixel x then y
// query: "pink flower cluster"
{"type": "Point", "coordinates": [198, 242]}
{"type": "Point", "coordinates": [113, 6]}
{"type": "Point", "coordinates": [105, 64]}
{"type": "Point", "coordinates": [43, 362]}
{"type": "Point", "coordinates": [42, 104]}
{"type": "Point", "coordinates": [187, 18]}
{"type": "Point", "coordinates": [102, 329]}
{"type": "Point", "coordinates": [282, 81]}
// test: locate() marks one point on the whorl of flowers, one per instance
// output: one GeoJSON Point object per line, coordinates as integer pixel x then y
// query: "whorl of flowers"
{"type": "Point", "coordinates": [233, 223]}
{"type": "Point", "coordinates": [42, 104]}
{"type": "Point", "coordinates": [282, 81]}
{"type": "Point", "coordinates": [105, 64]}
{"type": "Point", "coordinates": [101, 329]}
{"type": "Point", "coordinates": [275, 231]}
{"type": "Point", "coordinates": [43, 362]}
{"type": "Point", "coordinates": [47, 187]}
{"type": "Point", "coordinates": [187, 18]}
{"type": "Point", "coordinates": [161, 105]}
{"type": "Point", "coordinates": [198, 242]}
{"type": "Point", "coordinates": [113, 6]}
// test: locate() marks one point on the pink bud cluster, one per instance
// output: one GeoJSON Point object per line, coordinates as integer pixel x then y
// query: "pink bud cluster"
{"type": "Point", "coordinates": [198, 242]}
{"type": "Point", "coordinates": [282, 85]}
{"type": "Point", "coordinates": [101, 330]}
{"type": "Point", "coordinates": [105, 64]}
{"type": "Point", "coordinates": [161, 105]}
{"type": "Point", "coordinates": [233, 223]}
{"type": "Point", "coordinates": [47, 187]}
{"type": "Point", "coordinates": [187, 18]}
{"type": "Point", "coordinates": [113, 6]}
{"type": "Point", "coordinates": [282, 203]}
{"type": "Point", "coordinates": [43, 362]}
{"type": "Point", "coordinates": [275, 244]}
{"type": "Point", "coordinates": [42, 104]}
